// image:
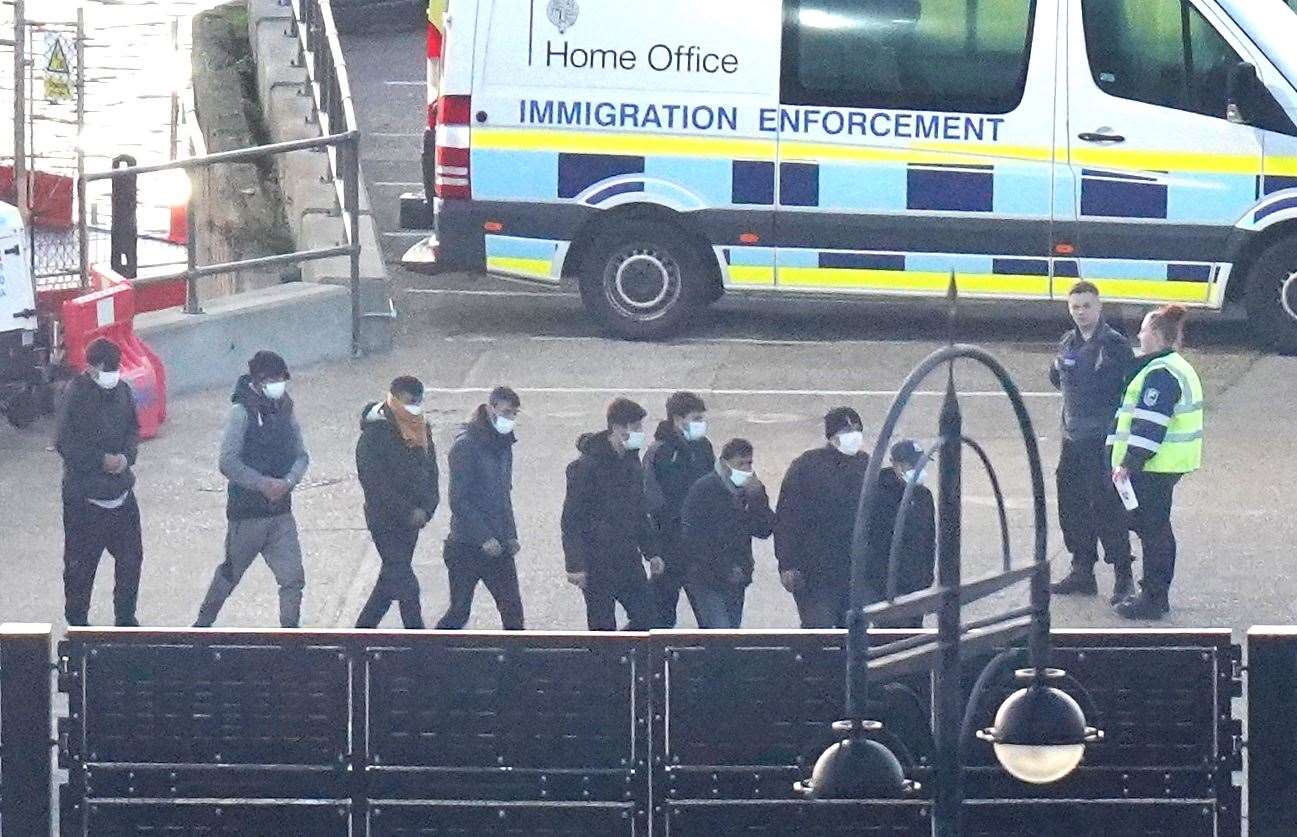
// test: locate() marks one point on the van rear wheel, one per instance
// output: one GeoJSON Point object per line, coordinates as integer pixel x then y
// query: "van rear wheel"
{"type": "Point", "coordinates": [1272, 296]}
{"type": "Point", "coordinates": [641, 279]}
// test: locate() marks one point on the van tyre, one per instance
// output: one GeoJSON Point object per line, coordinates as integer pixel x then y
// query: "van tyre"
{"type": "Point", "coordinates": [1272, 296]}
{"type": "Point", "coordinates": [642, 280]}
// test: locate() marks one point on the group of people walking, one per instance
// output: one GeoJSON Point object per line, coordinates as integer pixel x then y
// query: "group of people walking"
{"type": "Point", "coordinates": [642, 522]}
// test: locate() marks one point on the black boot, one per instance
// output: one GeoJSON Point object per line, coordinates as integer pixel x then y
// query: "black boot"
{"type": "Point", "coordinates": [1123, 585]}
{"type": "Point", "coordinates": [1079, 582]}
{"type": "Point", "coordinates": [1147, 605]}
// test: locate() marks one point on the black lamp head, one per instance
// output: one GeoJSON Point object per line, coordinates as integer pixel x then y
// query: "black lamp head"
{"type": "Point", "coordinates": [1040, 734]}
{"type": "Point", "coordinates": [857, 768]}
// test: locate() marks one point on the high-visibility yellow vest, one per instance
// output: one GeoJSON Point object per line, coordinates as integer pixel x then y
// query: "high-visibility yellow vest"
{"type": "Point", "coordinates": [1181, 448]}
{"type": "Point", "coordinates": [437, 13]}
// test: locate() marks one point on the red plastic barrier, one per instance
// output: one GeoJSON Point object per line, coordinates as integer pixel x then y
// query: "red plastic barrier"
{"type": "Point", "coordinates": [111, 313]}
{"type": "Point", "coordinates": [49, 196]}
{"type": "Point", "coordinates": [150, 296]}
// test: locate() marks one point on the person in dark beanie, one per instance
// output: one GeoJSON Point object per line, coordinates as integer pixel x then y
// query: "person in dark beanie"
{"type": "Point", "coordinates": [918, 544]}
{"type": "Point", "coordinates": [397, 465]}
{"type": "Point", "coordinates": [722, 513]}
{"type": "Point", "coordinates": [606, 526]}
{"type": "Point", "coordinates": [263, 457]}
{"type": "Point", "coordinates": [679, 456]}
{"type": "Point", "coordinates": [816, 519]}
{"type": "Point", "coordinates": [98, 437]}
{"type": "Point", "coordinates": [483, 540]}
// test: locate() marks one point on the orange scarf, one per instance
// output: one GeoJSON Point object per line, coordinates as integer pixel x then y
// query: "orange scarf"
{"type": "Point", "coordinates": [414, 429]}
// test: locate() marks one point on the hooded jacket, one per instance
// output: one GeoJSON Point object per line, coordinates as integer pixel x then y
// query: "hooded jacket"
{"type": "Point", "coordinates": [671, 466]}
{"type": "Point", "coordinates": [719, 523]}
{"type": "Point", "coordinates": [95, 422]}
{"type": "Point", "coordinates": [918, 553]}
{"type": "Point", "coordinates": [262, 441]}
{"type": "Point", "coordinates": [816, 515]}
{"type": "Point", "coordinates": [481, 484]}
{"type": "Point", "coordinates": [396, 478]}
{"type": "Point", "coordinates": [605, 520]}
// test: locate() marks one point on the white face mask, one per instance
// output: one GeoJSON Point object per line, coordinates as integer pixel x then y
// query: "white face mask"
{"type": "Point", "coordinates": [413, 409]}
{"type": "Point", "coordinates": [739, 478]}
{"type": "Point", "coordinates": [635, 440]}
{"type": "Point", "coordinates": [908, 476]}
{"type": "Point", "coordinates": [851, 442]}
{"type": "Point", "coordinates": [108, 380]}
{"type": "Point", "coordinates": [503, 426]}
{"type": "Point", "coordinates": [275, 390]}
{"type": "Point", "coordinates": [695, 430]}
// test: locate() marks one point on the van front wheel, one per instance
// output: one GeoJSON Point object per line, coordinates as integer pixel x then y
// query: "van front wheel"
{"type": "Point", "coordinates": [1272, 296]}
{"type": "Point", "coordinates": [640, 280]}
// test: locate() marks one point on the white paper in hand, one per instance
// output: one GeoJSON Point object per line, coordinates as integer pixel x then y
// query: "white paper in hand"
{"type": "Point", "coordinates": [1127, 493]}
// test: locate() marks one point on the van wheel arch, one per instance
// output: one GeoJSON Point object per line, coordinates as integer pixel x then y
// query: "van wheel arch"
{"type": "Point", "coordinates": [1267, 285]}
{"type": "Point", "coordinates": [601, 222]}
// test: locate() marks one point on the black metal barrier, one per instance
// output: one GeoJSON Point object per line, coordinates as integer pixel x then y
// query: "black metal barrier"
{"type": "Point", "coordinates": [402, 733]}
{"type": "Point", "coordinates": [25, 764]}
{"type": "Point", "coordinates": [1272, 731]}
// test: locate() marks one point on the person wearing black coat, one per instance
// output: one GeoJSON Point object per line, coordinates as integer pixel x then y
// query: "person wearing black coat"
{"type": "Point", "coordinates": [722, 513]}
{"type": "Point", "coordinates": [483, 540]}
{"type": "Point", "coordinates": [397, 465]}
{"type": "Point", "coordinates": [98, 437]}
{"type": "Point", "coordinates": [607, 531]}
{"type": "Point", "coordinates": [917, 555]}
{"type": "Point", "coordinates": [679, 456]}
{"type": "Point", "coordinates": [816, 519]}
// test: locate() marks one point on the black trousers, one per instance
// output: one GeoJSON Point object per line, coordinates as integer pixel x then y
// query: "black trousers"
{"type": "Point", "coordinates": [1152, 523]}
{"type": "Point", "coordinates": [666, 593]}
{"type": "Point", "coordinates": [822, 602]}
{"type": "Point", "coordinates": [1089, 510]}
{"type": "Point", "coordinates": [396, 580]}
{"type": "Point", "coordinates": [466, 565]}
{"type": "Point", "coordinates": [627, 585]}
{"type": "Point", "coordinates": [87, 532]}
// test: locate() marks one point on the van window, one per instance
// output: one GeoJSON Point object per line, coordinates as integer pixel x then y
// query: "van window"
{"type": "Point", "coordinates": [1162, 52]}
{"type": "Point", "coordinates": [963, 56]}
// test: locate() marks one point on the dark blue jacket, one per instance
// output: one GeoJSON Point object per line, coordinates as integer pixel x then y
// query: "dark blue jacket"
{"type": "Point", "coordinates": [262, 440]}
{"type": "Point", "coordinates": [1091, 373]}
{"type": "Point", "coordinates": [481, 484]}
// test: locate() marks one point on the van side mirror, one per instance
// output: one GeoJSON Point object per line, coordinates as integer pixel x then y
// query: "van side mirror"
{"type": "Point", "coordinates": [1239, 89]}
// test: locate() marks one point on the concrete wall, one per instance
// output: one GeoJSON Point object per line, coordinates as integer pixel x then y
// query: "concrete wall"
{"type": "Point", "coordinates": [305, 323]}
{"type": "Point", "coordinates": [310, 199]}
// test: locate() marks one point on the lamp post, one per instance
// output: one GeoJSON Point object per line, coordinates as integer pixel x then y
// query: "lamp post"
{"type": "Point", "coordinates": [1040, 732]}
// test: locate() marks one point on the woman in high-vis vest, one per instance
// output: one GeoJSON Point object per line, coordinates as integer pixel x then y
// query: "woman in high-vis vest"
{"type": "Point", "coordinates": [1156, 440]}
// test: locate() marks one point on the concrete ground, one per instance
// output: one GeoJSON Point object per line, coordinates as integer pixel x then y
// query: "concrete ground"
{"type": "Point", "coordinates": [768, 372]}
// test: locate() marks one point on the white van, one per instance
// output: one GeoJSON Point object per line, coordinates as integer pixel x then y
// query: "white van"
{"type": "Point", "coordinates": [18, 322]}
{"type": "Point", "coordinates": [658, 155]}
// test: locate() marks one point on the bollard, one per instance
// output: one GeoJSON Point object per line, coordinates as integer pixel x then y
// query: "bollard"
{"type": "Point", "coordinates": [1271, 734]}
{"type": "Point", "coordinates": [25, 740]}
{"type": "Point", "coordinates": [125, 230]}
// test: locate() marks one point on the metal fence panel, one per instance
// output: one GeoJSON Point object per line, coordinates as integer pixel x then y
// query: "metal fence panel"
{"type": "Point", "coordinates": [1272, 731]}
{"type": "Point", "coordinates": [774, 818]}
{"type": "Point", "coordinates": [25, 730]}
{"type": "Point", "coordinates": [544, 819]}
{"type": "Point", "coordinates": [221, 819]}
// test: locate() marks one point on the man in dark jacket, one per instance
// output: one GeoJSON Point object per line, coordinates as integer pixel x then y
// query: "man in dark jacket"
{"type": "Point", "coordinates": [679, 456]}
{"type": "Point", "coordinates": [917, 552]}
{"type": "Point", "coordinates": [264, 458]}
{"type": "Point", "coordinates": [722, 513]}
{"type": "Point", "coordinates": [1090, 368]}
{"type": "Point", "coordinates": [98, 438]}
{"type": "Point", "coordinates": [606, 526]}
{"type": "Point", "coordinates": [816, 519]}
{"type": "Point", "coordinates": [483, 540]}
{"type": "Point", "coordinates": [396, 462]}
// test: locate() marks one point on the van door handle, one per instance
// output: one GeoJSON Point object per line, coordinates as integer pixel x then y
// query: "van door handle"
{"type": "Point", "coordinates": [12, 251]}
{"type": "Point", "coordinates": [1093, 137]}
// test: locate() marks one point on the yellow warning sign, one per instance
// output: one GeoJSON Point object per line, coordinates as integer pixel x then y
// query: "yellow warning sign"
{"type": "Point", "coordinates": [58, 72]}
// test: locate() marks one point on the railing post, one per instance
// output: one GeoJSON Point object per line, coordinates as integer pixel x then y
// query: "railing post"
{"type": "Point", "coordinates": [25, 730]}
{"type": "Point", "coordinates": [124, 233]}
{"type": "Point", "coordinates": [192, 305]}
{"type": "Point", "coordinates": [351, 196]}
{"type": "Point", "coordinates": [1271, 776]}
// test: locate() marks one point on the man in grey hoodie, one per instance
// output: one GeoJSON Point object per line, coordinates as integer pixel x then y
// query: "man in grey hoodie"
{"type": "Point", "coordinates": [264, 458]}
